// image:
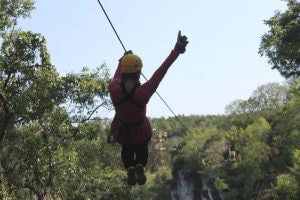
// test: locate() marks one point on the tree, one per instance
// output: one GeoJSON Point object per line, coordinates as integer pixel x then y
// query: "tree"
{"type": "Point", "coordinates": [282, 43]}
{"type": "Point", "coordinates": [251, 145]}
{"type": "Point", "coordinates": [46, 129]}
{"type": "Point", "coordinates": [86, 92]}
{"type": "Point", "coordinates": [10, 11]}
{"type": "Point", "coordinates": [265, 98]}
{"type": "Point", "coordinates": [295, 169]}
{"type": "Point", "coordinates": [29, 83]}
{"type": "Point", "coordinates": [286, 133]}
{"type": "Point", "coordinates": [270, 96]}
{"type": "Point", "coordinates": [286, 188]}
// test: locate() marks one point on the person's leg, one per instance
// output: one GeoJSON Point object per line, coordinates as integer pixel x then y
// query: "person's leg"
{"type": "Point", "coordinates": [127, 155]}
{"type": "Point", "coordinates": [141, 151]}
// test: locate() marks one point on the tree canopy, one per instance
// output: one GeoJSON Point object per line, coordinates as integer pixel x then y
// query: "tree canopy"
{"type": "Point", "coordinates": [282, 42]}
{"type": "Point", "coordinates": [53, 140]}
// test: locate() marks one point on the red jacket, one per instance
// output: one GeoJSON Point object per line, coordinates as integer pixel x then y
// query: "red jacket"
{"type": "Point", "coordinates": [130, 124]}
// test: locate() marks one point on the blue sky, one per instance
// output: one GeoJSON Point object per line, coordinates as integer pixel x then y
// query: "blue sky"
{"type": "Point", "coordinates": [221, 63]}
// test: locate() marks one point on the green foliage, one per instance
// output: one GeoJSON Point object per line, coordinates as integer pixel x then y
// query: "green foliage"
{"type": "Point", "coordinates": [286, 133]}
{"type": "Point", "coordinates": [86, 92]}
{"type": "Point", "coordinates": [102, 183]}
{"type": "Point", "coordinates": [53, 140]}
{"type": "Point", "coordinates": [49, 148]}
{"type": "Point", "coordinates": [265, 99]}
{"type": "Point", "coordinates": [28, 80]}
{"type": "Point", "coordinates": [232, 194]}
{"type": "Point", "coordinates": [158, 186]}
{"type": "Point", "coordinates": [251, 143]}
{"type": "Point", "coordinates": [296, 163]}
{"type": "Point", "coordinates": [221, 185]}
{"type": "Point", "coordinates": [10, 11]}
{"type": "Point", "coordinates": [45, 158]}
{"type": "Point", "coordinates": [282, 43]}
{"type": "Point", "coordinates": [286, 188]}
{"type": "Point", "coordinates": [294, 88]}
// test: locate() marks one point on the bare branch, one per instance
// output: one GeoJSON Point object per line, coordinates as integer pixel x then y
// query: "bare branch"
{"type": "Point", "coordinates": [89, 117]}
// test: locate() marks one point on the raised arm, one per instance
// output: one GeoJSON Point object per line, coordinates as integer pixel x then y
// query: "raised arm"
{"type": "Point", "coordinates": [150, 86]}
{"type": "Point", "coordinates": [117, 74]}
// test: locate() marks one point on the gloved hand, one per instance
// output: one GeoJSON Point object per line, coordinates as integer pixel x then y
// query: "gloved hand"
{"type": "Point", "coordinates": [125, 53]}
{"type": "Point", "coordinates": [181, 43]}
{"type": "Point", "coordinates": [128, 52]}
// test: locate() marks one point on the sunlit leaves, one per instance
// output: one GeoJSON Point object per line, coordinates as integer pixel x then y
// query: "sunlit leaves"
{"type": "Point", "coordinates": [282, 43]}
{"type": "Point", "coordinates": [268, 97]}
{"type": "Point", "coordinates": [29, 81]}
{"type": "Point", "coordinates": [86, 92]}
{"type": "Point", "coordinates": [52, 148]}
{"type": "Point", "coordinates": [286, 188]}
{"type": "Point", "coordinates": [11, 10]}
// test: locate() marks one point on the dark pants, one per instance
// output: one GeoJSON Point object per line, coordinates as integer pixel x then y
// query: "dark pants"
{"type": "Point", "coordinates": [134, 154]}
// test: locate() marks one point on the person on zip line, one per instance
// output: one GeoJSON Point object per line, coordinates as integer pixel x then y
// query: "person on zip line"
{"type": "Point", "coordinates": [130, 126]}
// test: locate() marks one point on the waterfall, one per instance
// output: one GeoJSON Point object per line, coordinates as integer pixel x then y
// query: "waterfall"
{"type": "Point", "coordinates": [184, 189]}
{"type": "Point", "coordinates": [206, 191]}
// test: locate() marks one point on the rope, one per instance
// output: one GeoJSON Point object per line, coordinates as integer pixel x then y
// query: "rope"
{"type": "Point", "coordinates": [166, 104]}
{"type": "Point", "coordinates": [111, 25]}
{"type": "Point", "coordinates": [170, 109]}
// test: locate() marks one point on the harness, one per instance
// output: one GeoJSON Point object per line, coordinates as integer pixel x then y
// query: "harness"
{"type": "Point", "coordinates": [128, 97]}
{"type": "Point", "coordinates": [125, 127]}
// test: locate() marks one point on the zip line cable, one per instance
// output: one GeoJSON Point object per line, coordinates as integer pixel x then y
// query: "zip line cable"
{"type": "Point", "coordinates": [111, 25]}
{"type": "Point", "coordinates": [166, 104]}
{"type": "Point", "coordinates": [125, 50]}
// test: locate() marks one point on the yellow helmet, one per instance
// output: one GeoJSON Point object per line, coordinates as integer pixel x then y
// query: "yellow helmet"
{"type": "Point", "coordinates": [131, 63]}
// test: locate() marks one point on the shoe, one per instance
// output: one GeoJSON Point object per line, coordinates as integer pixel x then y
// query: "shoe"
{"type": "Point", "coordinates": [140, 174]}
{"type": "Point", "coordinates": [131, 176]}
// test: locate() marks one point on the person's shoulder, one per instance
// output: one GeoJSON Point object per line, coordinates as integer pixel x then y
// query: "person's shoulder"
{"type": "Point", "coordinates": [114, 83]}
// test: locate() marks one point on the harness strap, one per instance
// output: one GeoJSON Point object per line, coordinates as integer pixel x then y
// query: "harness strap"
{"type": "Point", "coordinates": [130, 124]}
{"type": "Point", "coordinates": [125, 127]}
{"type": "Point", "coordinates": [128, 97]}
